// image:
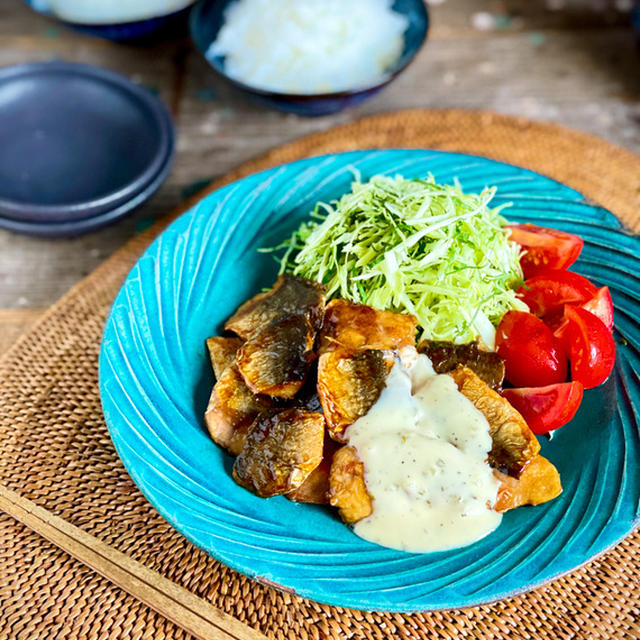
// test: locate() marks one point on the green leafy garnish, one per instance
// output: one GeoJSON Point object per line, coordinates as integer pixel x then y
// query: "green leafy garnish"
{"type": "Point", "coordinates": [417, 247]}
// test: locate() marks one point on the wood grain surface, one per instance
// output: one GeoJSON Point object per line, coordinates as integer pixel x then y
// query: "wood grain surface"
{"type": "Point", "coordinates": [575, 66]}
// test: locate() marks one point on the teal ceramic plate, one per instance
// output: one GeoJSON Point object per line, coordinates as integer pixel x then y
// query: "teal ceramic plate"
{"type": "Point", "coordinates": [155, 381]}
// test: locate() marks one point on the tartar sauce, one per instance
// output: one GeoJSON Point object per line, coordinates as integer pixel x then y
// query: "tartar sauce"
{"type": "Point", "coordinates": [424, 448]}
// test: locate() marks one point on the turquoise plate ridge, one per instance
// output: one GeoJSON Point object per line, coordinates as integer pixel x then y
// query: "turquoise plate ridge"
{"type": "Point", "coordinates": [155, 381]}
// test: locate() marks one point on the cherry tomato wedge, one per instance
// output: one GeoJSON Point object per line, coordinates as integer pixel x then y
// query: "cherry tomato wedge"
{"type": "Point", "coordinates": [545, 248]}
{"type": "Point", "coordinates": [601, 305]}
{"type": "Point", "coordinates": [590, 347]}
{"type": "Point", "coordinates": [545, 293]}
{"type": "Point", "coordinates": [546, 408]}
{"type": "Point", "coordinates": [532, 355]}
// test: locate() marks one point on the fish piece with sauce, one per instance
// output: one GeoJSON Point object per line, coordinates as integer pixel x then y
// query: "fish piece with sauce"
{"type": "Point", "coordinates": [288, 296]}
{"type": "Point", "coordinates": [387, 431]}
{"type": "Point", "coordinates": [446, 356]}
{"type": "Point", "coordinates": [231, 410]}
{"type": "Point", "coordinates": [275, 362]}
{"type": "Point", "coordinates": [349, 383]}
{"type": "Point", "coordinates": [348, 325]}
{"type": "Point", "coordinates": [514, 444]}
{"type": "Point", "coordinates": [280, 451]}
{"type": "Point", "coordinates": [347, 487]}
{"type": "Point", "coordinates": [222, 353]}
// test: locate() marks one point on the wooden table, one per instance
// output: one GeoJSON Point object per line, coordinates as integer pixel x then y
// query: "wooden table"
{"type": "Point", "coordinates": [576, 67]}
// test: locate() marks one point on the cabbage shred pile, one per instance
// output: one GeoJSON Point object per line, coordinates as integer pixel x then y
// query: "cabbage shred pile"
{"type": "Point", "coordinates": [413, 246]}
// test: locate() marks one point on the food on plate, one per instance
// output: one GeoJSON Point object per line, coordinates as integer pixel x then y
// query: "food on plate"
{"type": "Point", "coordinates": [310, 47]}
{"type": "Point", "coordinates": [281, 449]}
{"type": "Point", "coordinates": [548, 408]}
{"type": "Point", "coordinates": [231, 410]}
{"type": "Point", "coordinates": [315, 489]}
{"type": "Point", "coordinates": [347, 487]}
{"type": "Point", "coordinates": [532, 354]}
{"type": "Point", "coordinates": [538, 483]}
{"type": "Point", "coordinates": [349, 383]}
{"type": "Point", "coordinates": [513, 445]}
{"type": "Point", "coordinates": [544, 248]}
{"type": "Point", "coordinates": [288, 296]}
{"type": "Point", "coordinates": [348, 325]}
{"type": "Point", "coordinates": [546, 292]}
{"type": "Point", "coordinates": [590, 347]}
{"type": "Point", "coordinates": [275, 361]}
{"type": "Point", "coordinates": [222, 353]}
{"type": "Point", "coordinates": [446, 356]}
{"type": "Point", "coordinates": [415, 247]}
{"type": "Point", "coordinates": [421, 448]}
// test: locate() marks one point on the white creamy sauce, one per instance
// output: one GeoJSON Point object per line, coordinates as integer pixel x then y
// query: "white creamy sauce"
{"type": "Point", "coordinates": [424, 447]}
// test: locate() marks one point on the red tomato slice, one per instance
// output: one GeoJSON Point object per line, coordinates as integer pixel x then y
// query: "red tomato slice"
{"type": "Point", "coordinates": [545, 248]}
{"type": "Point", "coordinates": [601, 305]}
{"type": "Point", "coordinates": [546, 408]}
{"type": "Point", "coordinates": [532, 355]}
{"type": "Point", "coordinates": [590, 346]}
{"type": "Point", "coordinates": [545, 293]}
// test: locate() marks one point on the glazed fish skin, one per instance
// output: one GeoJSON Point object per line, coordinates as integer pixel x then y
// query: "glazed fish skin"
{"type": "Point", "coordinates": [356, 326]}
{"type": "Point", "coordinates": [281, 450]}
{"type": "Point", "coordinates": [276, 361]}
{"type": "Point", "coordinates": [349, 384]}
{"type": "Point", "coordinates": [289, 295]}
{"type": "Point", "coordinates": [347, 488]}
{"type": "Point", "coordinates": [232, 409]}
{"type": "Point", "coordinates": [222, 353]}
{"type": "Point", "coordinates": [315, 489]}
{"type": "Point", "coordinates": [446, 356]}
{"type": "Point", "coordinates": [514, 444]}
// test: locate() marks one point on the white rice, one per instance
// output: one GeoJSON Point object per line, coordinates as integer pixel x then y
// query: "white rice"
{"type": "Point", "coordinates": [310, 46]}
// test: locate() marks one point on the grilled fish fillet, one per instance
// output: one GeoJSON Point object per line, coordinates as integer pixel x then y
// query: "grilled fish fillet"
{"type": "Point", "coordinates": [315, 489]}
{"type": "Point", "coordinates": [222, 352]}
{"type": "Point", "coordinates": [349, 384]}
{"type": "Point", "coordinates": [355, 326]}
{"type": "Point", "coordinates": [514, 444]}
{"type": "Point", "coordinates": [347, 489]}
{"type": "Point", "coordinates": [289, 295]}
{"type": "Point", "coordinates": [280, 451]}
{"type": "Point", "coordinates": [231, 410]}
{"type": "Point", "coordinates": [538, 483]}
{"type": "Point", "coordinates": [276, 360]}
{"type": "Point", "coordinates": [446, 356]}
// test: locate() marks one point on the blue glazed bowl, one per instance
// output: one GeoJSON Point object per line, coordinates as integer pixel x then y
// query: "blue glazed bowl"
{"type": "Point", "coordinates": [122, 31]}
{"type": "Point", "coordinates": [207, 19]}
{"type": "Point", "coordinates": [155, 381]}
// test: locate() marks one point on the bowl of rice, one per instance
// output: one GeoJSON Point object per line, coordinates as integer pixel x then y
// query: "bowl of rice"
{"type": "Point", "coordinates": [310, 57]}
{"type": "Point", "coordinates": [117, 19]}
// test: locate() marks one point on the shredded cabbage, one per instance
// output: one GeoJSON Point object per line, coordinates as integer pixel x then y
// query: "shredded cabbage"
{"type": "Point", "coordinates": [417, 247]}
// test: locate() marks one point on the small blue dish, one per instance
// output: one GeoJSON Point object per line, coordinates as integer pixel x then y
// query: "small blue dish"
{"type": "Point", "coordinates": [80, 146]}
{"type": "Point", "coordinates": [207, 19]}
{"type": "Point", "coordinates": [133, 30]}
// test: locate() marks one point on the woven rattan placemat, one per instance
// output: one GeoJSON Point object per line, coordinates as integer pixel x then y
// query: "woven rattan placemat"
{"type": "Point", "coordinates": [55, 448]}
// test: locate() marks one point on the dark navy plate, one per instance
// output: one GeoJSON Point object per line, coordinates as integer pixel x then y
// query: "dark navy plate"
{"type": "Point", "coordinates": [77, 142]}
{"type": "Point", "coordinates": [155, 380]}
{"type": "Point", "coordinates": [207, 19]}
